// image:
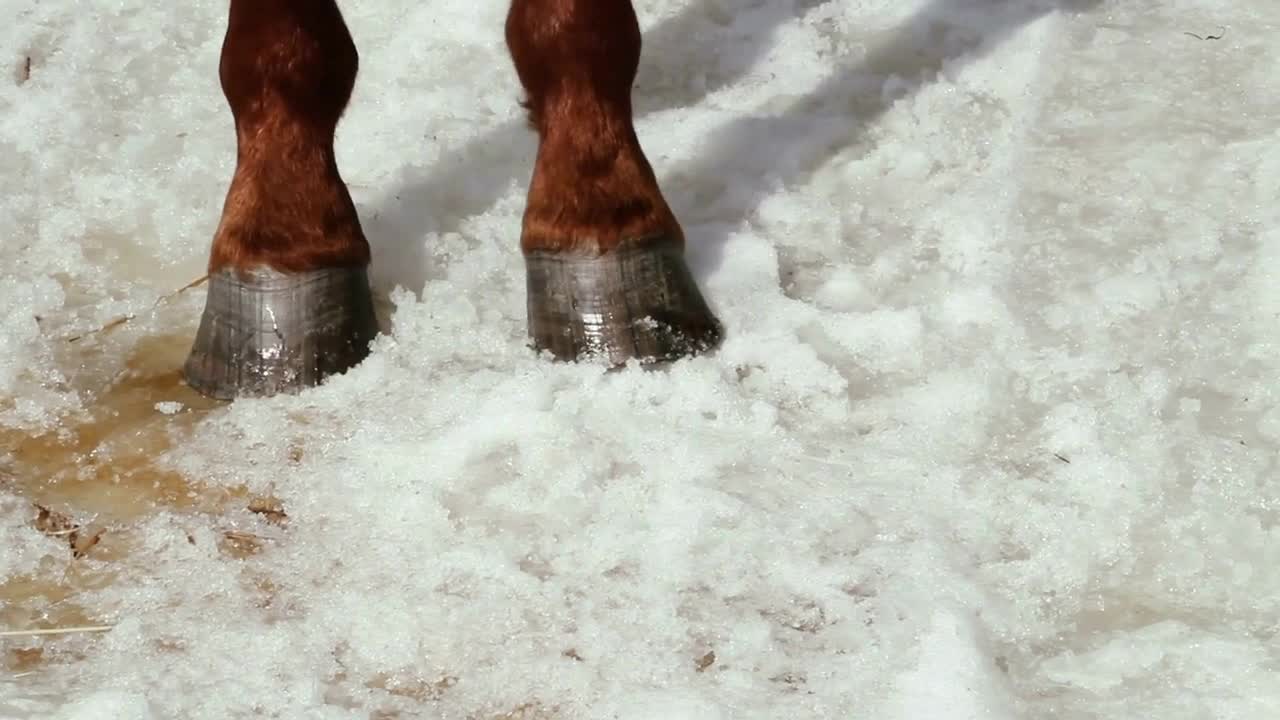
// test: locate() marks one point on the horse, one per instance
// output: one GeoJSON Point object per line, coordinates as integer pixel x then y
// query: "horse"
{"type": "Point", "coordinates": [289, 302]}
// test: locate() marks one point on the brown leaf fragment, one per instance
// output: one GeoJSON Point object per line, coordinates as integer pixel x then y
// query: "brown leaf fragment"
{"type": "Point", "coordinates": [82, 543]}
{"type": "Point", "coordinates": [24, 658]}
{"type": "Point", "coordinates": [54, 523]}
{"type": "Point", "coordinates": [706, 661]}
{"type": "Point", "coordinates": [270, 509]}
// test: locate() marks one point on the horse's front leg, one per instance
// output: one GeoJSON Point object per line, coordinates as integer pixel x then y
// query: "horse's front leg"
{"type": "Point", "coordinates": [289, 300]}
{"type": "Point", "coordinates": [603, 252]}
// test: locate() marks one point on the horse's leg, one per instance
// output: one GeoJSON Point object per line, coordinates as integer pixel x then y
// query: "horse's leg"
{"type": "Point", "coordinates": [289, 301]}
{"type": "Point", "coordinates": [603, 252]}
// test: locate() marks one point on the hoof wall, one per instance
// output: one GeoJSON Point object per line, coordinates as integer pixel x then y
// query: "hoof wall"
{"type": "Point", "coordinates": [265, 332]}
{"type": "Point", "coordinates": [634, 302]}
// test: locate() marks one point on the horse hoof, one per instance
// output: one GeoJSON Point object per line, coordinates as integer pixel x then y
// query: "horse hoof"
{"type": "Point", "coordinates": [634, 302]}
{"type": "Point", "coordinates": [265, 332]}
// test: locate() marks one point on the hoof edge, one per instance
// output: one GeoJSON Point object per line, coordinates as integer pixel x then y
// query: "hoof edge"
{"type": "Point", "coordinates": [637, 302]}
{"type": "Point", "coordinates": [265, 332]}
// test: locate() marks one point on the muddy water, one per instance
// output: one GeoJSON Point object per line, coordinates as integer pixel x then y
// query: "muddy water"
{"type": "Point", "coordinates": [105, 465]}
{"type": "Point", "coordinates": [95, 476]}
{"type": "Point", "coordinates": [100, 475]}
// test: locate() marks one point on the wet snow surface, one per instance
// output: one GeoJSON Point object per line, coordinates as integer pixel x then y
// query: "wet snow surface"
{"type": "Point", "coordinates": [993, 434]}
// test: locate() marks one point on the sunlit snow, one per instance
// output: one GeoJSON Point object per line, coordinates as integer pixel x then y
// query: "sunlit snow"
{"type": "Point", "coordinates": [993, 433]}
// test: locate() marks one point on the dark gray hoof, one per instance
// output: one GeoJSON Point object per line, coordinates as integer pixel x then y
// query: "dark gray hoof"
{"type": "Point", "coordinates": [265, 332]}
{"type": "Point", "coordinates": [635, 302]}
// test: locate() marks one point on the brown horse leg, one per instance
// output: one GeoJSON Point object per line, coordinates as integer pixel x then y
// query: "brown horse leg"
{"type": "Point", "coordinates": [289, 300]}
{"type": "Point", "coordinates": [603, 252]}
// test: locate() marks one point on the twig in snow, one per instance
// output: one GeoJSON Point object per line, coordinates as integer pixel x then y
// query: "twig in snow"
{"type": "Point", "coordinates": [1063, 459]}
{"type": "Point", "coordinates": [1222, 30]}
{"type": "Point", "coordinates": [126, 318]}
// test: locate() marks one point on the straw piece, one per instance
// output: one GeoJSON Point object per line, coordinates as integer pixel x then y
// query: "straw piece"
{"type": "Point", "coordinates": [55, 631]}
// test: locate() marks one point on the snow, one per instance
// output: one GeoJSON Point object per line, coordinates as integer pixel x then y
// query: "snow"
{"type": "Point", "coordinates": [169, 407]}
{"type": "Point", "coordinates": [992, 435]}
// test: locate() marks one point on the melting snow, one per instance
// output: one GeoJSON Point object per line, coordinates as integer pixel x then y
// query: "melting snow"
{"type": "Point", "coordinates": [993, 434]}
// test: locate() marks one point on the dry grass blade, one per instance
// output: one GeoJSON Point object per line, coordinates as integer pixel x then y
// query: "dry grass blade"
{"type": "Point", "coordinates": [56, 631]}
{"type": "Point", "coordinates": [126, 318]}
